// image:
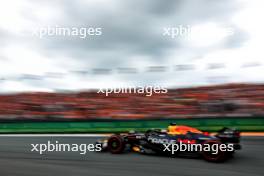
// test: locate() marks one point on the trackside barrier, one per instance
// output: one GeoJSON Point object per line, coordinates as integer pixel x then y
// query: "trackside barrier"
{"type": "Point", "coordinates": [107, 126]}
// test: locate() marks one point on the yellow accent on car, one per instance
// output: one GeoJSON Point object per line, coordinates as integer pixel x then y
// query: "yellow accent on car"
{"type": "Point", "coordinates": [136, 149]}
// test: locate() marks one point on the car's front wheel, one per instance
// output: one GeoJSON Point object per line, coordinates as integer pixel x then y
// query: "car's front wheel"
{"type": "Point", "coordinates": [116, 144]}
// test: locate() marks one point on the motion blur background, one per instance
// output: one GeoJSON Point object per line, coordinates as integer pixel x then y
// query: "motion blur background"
{"type": "Point", "coordinates": [50, 83]}
{"type": "Point", "coordinates": [207, 53]}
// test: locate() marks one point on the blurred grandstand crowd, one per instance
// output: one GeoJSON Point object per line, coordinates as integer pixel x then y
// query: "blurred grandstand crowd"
{"type": "Point", "coordinates": [223, 100]}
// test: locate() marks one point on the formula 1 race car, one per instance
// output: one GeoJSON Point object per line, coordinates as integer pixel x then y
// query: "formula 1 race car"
{"type": "Point", "coordinates": [176, 141]}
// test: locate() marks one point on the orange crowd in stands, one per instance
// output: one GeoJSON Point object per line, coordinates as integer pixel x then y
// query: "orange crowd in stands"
{"type": "Point", "coordinates": [224, 100]}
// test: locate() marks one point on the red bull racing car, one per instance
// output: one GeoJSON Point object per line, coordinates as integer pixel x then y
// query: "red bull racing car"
{"type": "Point", "coordinates": [177, 141]}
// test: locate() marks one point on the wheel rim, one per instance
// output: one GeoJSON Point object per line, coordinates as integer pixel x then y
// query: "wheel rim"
{"type": "Point", "coordinates": [114, 144]}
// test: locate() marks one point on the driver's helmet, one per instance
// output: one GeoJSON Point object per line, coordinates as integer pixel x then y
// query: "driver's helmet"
{"type": "Point", "coordinates": [172, 129]}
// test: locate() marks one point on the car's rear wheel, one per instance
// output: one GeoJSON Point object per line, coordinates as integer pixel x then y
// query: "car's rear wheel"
{"type": "Point", "coordinates": [213, 156]}
{"type": "Point", "coordinates": [116, 144]}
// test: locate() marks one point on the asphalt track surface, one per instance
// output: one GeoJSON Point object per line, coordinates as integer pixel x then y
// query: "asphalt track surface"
{"type": "Point", "coordinates": [16, 159]}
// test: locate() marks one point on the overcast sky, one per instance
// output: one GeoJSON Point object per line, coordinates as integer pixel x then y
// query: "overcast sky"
{"type": "Point", "coordinates": [133, 36]}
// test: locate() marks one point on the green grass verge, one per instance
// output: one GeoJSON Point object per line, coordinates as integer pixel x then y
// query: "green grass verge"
{"type": "Point", "coordinates": [206, 124]}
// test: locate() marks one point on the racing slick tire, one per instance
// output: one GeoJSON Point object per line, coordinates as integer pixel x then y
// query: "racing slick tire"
{"type": "Point", "coordinates": [116, 144]}
{"type": "Point", "coordinates": [220, 156]}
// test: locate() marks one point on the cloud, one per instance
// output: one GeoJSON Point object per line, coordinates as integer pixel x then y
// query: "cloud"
{"type": "Point", "coordinates": [132, 37]}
